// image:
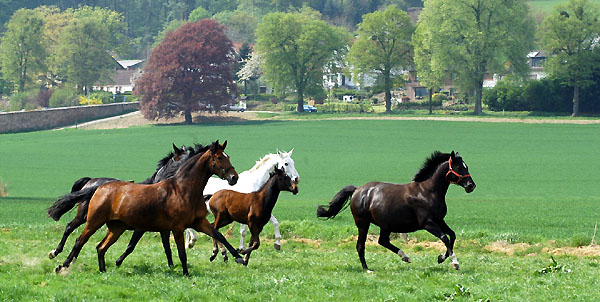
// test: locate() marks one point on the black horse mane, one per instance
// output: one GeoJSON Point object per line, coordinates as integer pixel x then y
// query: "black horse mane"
{"type": "Point", "coordinates": [430, 166]}
{"type": "Point", "coordinates": [198, 148]}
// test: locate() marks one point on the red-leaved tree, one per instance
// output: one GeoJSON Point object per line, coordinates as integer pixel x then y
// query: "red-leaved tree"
{"type": "Point", "coordinates": [191, 67]}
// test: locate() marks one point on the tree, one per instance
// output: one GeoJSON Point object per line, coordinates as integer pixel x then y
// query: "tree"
{"type": "Point", "coordinates": [22, 52]}
{"type": "Point", "coordinates": [191, 66]}
{"type": "Point", "coordinates": [295, 47]}
{"type": "Point", "coordinates": [478, 36]}
{"type": "Point", "coordinates": [428, 70]}
{"type": "Point", "coordinates": [571, 36]}
{"type": "Point", "coordinates": [383, 47]}
{"type": "Point", "coordinates": [251, 70]}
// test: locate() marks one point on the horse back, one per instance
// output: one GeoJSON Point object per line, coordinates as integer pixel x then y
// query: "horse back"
{"type": "Point", "coordinates": [235, 204]}
{"type": "Point", "coordinates": [390, 206]}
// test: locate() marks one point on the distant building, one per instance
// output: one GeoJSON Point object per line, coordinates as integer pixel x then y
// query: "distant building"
{"type": "Point", "coordinates": [126, 73]}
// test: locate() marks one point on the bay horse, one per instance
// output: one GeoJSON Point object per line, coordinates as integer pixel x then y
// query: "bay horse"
{"type": "Point", "coordinates": [404, 208]}
{"type": "Point", "coordinates": [83, 189]}
{"type": "Point", "coordinates": [251, 181]}
{"type": "Point", "coordinates": [253, 209]}
{"type": "Point", "coordinates": [173, 204]}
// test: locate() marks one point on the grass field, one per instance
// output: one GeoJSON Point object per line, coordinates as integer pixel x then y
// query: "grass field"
{"type": "Point", "coordinates": [536, 192]}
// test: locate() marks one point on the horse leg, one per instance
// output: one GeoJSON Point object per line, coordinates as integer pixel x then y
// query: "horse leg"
{"type": "Point", "coordinates": [436, 231]}
{"type": "Point", "coordinates": [243, 232]}
{"type": "Point", "coordinates": [190, 238]}
{"type": "Point", "coordinates": [164, 236]}
{"type": "Point", "coordinates": [384, 240]}
{"type": "Point", "coordinates": [363, 230]}
{"type": "Point", "coordinates": [179, 240]}
{"type": "Point", "coordinates": [254, 241]}
{"type": "Point", "coordinates": [450, 252]}
{"type": "Point", "coordinates": [205, 227]}
{"type": "Point", "coordinates": [275, 223]}
{"type": "Point", "coordinates": [87, 232]}
{"type": "Point", "coordinates": [135, 238]}
{"type": "Point", "coordinates": [71, 226]}
{"type": "Point", "coordinates": [114, 232]}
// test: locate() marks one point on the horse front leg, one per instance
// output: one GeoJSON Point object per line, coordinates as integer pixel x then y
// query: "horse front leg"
{"type": "Point", "coordinates": [205, 227]}
{"type": "Point", "coordinates": [179, 240]}
{"type": "Point", "coordinates": [277, 244]}
{"type": "Point", "coordinates": [87, 232]}
{"type": "Point", "coordinates": [450, 251]}
{"type": "Point", "coordinates": [254, 242]}
{"type": "Point", "coordinates": [243, 232]}
{"type": "Point", "coordinates": [437, 231]}
{"type": "Point", "coordinates": [164, 237]}
{"type": "Point", "coordinates": [190, 238]}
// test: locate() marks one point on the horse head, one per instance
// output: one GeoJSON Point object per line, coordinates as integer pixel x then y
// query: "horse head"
{"type": "Point", "coordinates": [220, 164]}
{"type": "Point", "coordinates": [458, 173]}
{"type": "Point", "coordinates": [284, 182]}
{"type": "Point", "coordinates": [286, 163]}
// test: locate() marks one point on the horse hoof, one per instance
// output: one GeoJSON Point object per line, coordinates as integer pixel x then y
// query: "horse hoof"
{"type": "Point", "coordinates": [240, 260]}
{"type": "Point", "coordinates": [51, 255]}
{"type": "Point", "coordinates": [455, 266]}
{"type": "Point", "coordinates": [58, 269]}
{"type": "Point", "coordinates": [441, 258]}
{"type": "Point", "coordinates": [118, 262]}
{"type": "Point", "coordinates": [406, 259]}
{"type": "Point", "coordinates": [368, 271]}
{"type": "Point", "coordinates": [277, 246]}
{"type": "Point", "coordinates": [212, 257]}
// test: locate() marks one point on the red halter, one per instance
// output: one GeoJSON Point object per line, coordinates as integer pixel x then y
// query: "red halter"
{"type": "Point", "coordinates": [450, 170]}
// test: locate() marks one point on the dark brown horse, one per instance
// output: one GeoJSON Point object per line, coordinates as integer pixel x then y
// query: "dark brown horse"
{"type": "Point", "coordinates": [419, 205]}
{"type": "Point", "coordinates": [84, 188]}
{"type": "Point", "coordinates": [253, 209]}
{"type": "Point", "coordinates": [173, 204]}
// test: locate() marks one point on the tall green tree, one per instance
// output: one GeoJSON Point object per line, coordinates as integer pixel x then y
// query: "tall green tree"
{"type": "Point", "coordinates": [478, 36]}
{"type": "Point", "coordinates": [383, 47]}
{"type": "Point", "coordinates": [295, 47]}
{"type": "Point", "coordinates": [22, 52]}
{"type": "Point", "coordinates": [84, 45]}
{"type": "Point", "coordinates": [571, 37]}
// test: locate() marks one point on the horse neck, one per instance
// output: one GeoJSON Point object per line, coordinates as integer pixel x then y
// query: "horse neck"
{"type": "Point", "coordinates": [259, 174]}
{"type": "Point", "coordinates": [192, 177]}
{"type": "Point", "coordinates": [270, 193]}
{"type": "Point", "coordinates": [438, 181]}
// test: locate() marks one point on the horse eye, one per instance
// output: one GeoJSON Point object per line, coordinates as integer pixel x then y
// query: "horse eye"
{"type": "Point", "coordinates": [286, 164]}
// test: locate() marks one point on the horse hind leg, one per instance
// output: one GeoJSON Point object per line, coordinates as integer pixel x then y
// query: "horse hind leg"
{"type": "Point", "coordinates": [205, 227]}
{"type": "Point", "coordinates": [277, 244]}
{"type": "Point", "coordinates": [243, 232]}
{"type": "Point", "coordinates": [135, 238]}
{"type": "Point", "coordinates": [179, 240]}
{"type": "Point", "coordinates": [71, 226]}
{"type": "Point", "coordinates": [363, 230]}
{"type": "Point", "coordinates": [190, 238]}
{"type": "Point", "coordinates": [113, 233]}
{"type": "Point", "coordinates": [384, 240]}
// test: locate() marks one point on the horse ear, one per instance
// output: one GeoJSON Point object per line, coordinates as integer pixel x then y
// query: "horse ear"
{"type": "Point", "coordinates": [452, 154]}
{"type": "Point", "coordinates": [278, 152]}
{"type": "Point", "coordinates": [213, 147]}
{"type": "Point", "coordinates": [224, 145]}
{"type": "Point", "coordinates": [177, 151]}
{"type": "Point", "coordinates": [290, 153]}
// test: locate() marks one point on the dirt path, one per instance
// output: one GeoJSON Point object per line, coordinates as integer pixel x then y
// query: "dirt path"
{"type": "Point", "coordinates": [136, 119]}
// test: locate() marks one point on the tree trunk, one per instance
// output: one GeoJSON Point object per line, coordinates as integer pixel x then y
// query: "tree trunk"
{"type": "Point", "coordinates": [430, 101]}
{"type": "Point", "coordinates": [188, 116]}
{"type": "Point", "coordinates": [388, 95]}
{"type": "Point", "coordinates": [575, 101]}
{"type": "Point", "coordinates": [477, 95]}
{"type": "Point", "coordinates": [300, 100]}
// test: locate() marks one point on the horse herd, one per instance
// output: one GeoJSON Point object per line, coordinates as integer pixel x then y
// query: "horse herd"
{"type": "Point", "coordinates": [179, 195]}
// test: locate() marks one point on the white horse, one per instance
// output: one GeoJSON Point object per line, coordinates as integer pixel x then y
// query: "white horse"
{"type": "Point", "coordinates": [251, 181]}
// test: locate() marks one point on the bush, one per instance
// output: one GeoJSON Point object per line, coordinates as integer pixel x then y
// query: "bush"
{"type": "Point", "coordinates": [104, 96]}
{"type": "Point", "coordinates": [24, 100]}
{"type": "Point", "coordinates": [64, 97]}
{"type": "Point", "coordinates": [86, 101]}
{"type": "Point", "coordinates": [535, 95]}
{"type": "Point", "coordinates": [439, 98]}
{"type": "Point", "coordinates": [345, 107]}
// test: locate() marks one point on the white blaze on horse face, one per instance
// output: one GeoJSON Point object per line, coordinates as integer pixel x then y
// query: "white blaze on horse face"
{"type": "Point", "coordinates": [225, 154]}
{"type": "Point", "coordinates": [287, 164]}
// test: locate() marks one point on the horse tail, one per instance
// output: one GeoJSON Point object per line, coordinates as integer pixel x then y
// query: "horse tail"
{"type": "Point", "coordinates": [79, 184]}
{"type": "Point", "coordinates": [67, 202]}
{"type": "Point", "coordinates": [337, 204]}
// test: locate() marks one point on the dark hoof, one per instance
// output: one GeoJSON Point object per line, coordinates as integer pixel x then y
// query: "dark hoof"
{"type": "Point", "coordinates": [240, 260]}
{"type": "Point", "coordinates": [118, 262]}
{"type": "Point", "coordinates": [455, 266]}
{"type": "Point", "coordinates": [406, 259]}
{"type": "Point", "coordinates": [58, 269]}
{"type": "Point", "coordinates": [225, 259]}
{"type": "Point", "coordinates": [441, 259]}
{"type": "Point", "coordinates": [277, 246]}
{"type": "Point", "coordinates": [171, 265]}
{"type": "Point", "coordinates": [212, 257]}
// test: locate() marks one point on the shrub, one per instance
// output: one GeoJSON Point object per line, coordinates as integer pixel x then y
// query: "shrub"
{"type": "Point", "coordinates": [345, 107]}
{"type": "Point", "coordinates": [104, 96]}
{"type": "Point", "coordinates": [89, 101]}
{"type": "Point", "coordinates": [439, 98]}
{"type": "Point", "coordinates": [23, 100]}
{"type": "Point", "coordinates": [64, 97]}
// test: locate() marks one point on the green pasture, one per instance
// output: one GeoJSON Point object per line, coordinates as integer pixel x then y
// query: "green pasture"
{"type": "Point", "coordinates": [537, 185]}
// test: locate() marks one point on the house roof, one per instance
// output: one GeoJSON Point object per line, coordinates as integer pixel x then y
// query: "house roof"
{"type": "Point", "coordinates": [129, 63]}
{"type": "Point", "coordinates": [537, 54]}
{"type": "Point", "coordinates": [123, 77]}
